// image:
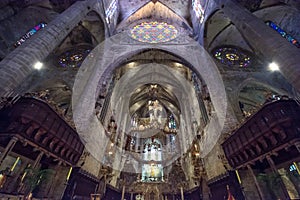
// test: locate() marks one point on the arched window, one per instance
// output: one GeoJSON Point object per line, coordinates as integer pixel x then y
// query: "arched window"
{"type": "Point", "coordinates": [30, 33]}
{"type": "Point", "coordinates": [232, 56]}
{"type": "Point", "coordinates": [172, 123]}
{"type": "Point", "coordinates": [284, 34]}
{"type": "Point", "coordinates": [152, 154]}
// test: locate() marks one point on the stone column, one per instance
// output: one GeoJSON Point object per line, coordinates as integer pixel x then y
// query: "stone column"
{"type": "Point", "coordinates": [189, 135]}
{"type": "Point", "coordinates": [137, 143]}
{"type": "Point", "coordinates": [168, 143]}
{"type": "Point", "coordinates": [204, 188]}
{"type": "Point", "coordinates": [181, 192]}
{"type": "Point", "coordinates": [22, 187]}
{"type": "Point", "coordinates": [289, 185]}
{"type": "Point", "coordinates": [256, 183]}
{"type": "Point", "coordinates": [181, 137]}
{"type": "Point", "coordinates": [17, 175]}
{"type": "Point", "coordinates": [123, 192]}
{"type": "Point", "coordinates": [123, 131]}
{"type": "Point", "coordinates": [264, 40]}
{"type": "Point", "coordinates": [8, 149]}
{"type": "Point", "coordinates": [37, 160]}
{"type": "Point", "coordinates": [274, 169]}
{"type": "Point", "coordinates": [119, 118]}
{"type": "Point", "coordinates": [17, 65]}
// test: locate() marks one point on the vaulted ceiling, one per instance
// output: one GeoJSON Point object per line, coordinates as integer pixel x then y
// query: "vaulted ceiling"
{"type": "Point", "coordinates": [129, 7]}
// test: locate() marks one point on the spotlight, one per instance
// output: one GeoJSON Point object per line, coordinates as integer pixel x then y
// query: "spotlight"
{"type": "Point", "coordinates": [273, 67]}
{"type": "Point", "coordinates": [38, 65]}
{"type": "Point", "coordinates": [178, 64]}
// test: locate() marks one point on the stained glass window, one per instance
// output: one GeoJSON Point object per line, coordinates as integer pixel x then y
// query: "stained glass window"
{"type": "Point", "coordinates": [284, 34]}
{"type": "Point", "coordinates": [154, 32]}
{"type": "Point", "coordinates": [293, 168]}
{"type": "Point", "coordinates": [198, 7]}
{"type": "Point", "coordinates": [232, 56]}
{"type": "Point", "coordinates": [172, 123]}
{"type": "Point", "coordinates": [30, 33]}
{"type": "Point", "coordinates": [111, 10]}
{"type": "Point", "coordinates": [152, 153]}
{"type": "Point", "coordinates": [73, 58]}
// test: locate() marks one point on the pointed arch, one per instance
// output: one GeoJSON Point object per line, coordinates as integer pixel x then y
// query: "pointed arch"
{"type": "Point", "coordinates": [155, 11]}
{"type": "Point", "coordinates": [108, 55]}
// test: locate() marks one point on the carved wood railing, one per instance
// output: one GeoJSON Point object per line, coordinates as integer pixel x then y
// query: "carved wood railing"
{"type": "Point", "coordinates": [274, 127]}
{"type": "Point", "coordinates": [37, 122]}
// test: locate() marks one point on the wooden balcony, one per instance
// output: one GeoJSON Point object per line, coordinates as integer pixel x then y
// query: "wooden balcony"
{"type": "Point", "coordinates": [274, 130]}
{"type": "Point", "coordinates": [35, 123]}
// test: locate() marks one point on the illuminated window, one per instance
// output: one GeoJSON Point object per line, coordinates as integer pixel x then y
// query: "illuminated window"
{"type": "Point", "coordinates": [30, 33]}
{"type": "Point", "coordinates": [152, 152]}
{"type": "Point", "coordinates": [139, 197]}
{"type": "Point", "coordinates": [232, 56]}
{"type": "Point", "coordinates": [111, 10]}
{"type": "Point", "coordinates": [284, 34]}
{"type": "Point", "coordinates": [134, 121]}
{"type": "Point", "coordinates": [172, 122]}
{"type": "Point", "coordinates": [293, 168]}
{"type": "Point", "coordinates": [198, 7]}
{"type": "Point", "coordinates": [154, 32]}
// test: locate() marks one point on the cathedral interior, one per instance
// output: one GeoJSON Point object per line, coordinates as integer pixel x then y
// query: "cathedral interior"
{"type": "Point", "coordinates": [150, 99]}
